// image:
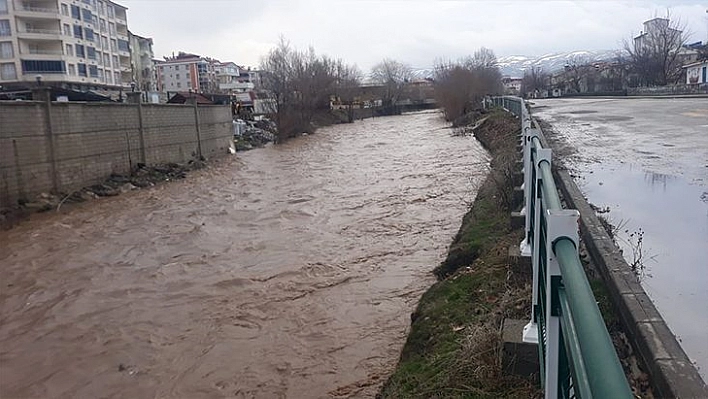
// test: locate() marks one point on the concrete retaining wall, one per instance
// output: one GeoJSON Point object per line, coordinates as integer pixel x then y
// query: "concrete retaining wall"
{"type": "Point", "coordinates": [672, 373]}
{"type": "Point", "coordinates": [60, 147]}
{"type": "Point", "coordinates": [668, 90]}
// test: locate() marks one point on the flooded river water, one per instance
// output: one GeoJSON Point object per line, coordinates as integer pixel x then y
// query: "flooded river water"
{"type": "Point", "coordinates": [646, 162]}
{"type": "Point", "coordinates": [289, 271]}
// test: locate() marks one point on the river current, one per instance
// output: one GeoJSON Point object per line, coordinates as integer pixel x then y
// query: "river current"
{"type": "Point", "coordinates": [288, 271]}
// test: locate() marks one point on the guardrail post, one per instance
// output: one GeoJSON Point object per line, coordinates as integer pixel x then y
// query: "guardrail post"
{"type": "Point", "coordinates": [528, 135]}
{"type": "Point", "coordinates": [560, 223]}
{"type": "Point", "coordinates": [531, 330]}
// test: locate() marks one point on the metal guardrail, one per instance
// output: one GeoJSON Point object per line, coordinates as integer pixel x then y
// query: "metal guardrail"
{"type": "Point", "coordinates": [577, 357]}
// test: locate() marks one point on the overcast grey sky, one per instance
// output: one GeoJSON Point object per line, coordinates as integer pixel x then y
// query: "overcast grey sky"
{"type": "Point", "coordinates": [412, 31]}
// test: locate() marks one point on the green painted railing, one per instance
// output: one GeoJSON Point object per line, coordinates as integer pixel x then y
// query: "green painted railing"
{"type": "Point", "coordinates": [577, 357]}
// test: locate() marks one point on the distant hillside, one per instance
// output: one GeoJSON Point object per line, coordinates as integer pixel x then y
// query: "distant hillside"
{"type": "Point", "coordinates": [515, 65]}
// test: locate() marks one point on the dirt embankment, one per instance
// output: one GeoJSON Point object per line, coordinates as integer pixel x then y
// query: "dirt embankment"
{"type": "Point", "coordinates": [453, 349]}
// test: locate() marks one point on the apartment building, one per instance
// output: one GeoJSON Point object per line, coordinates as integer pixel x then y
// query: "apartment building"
{"type": "Point", "coordinates": [185, 72]}
{"type": "Point", "coordinates": [74, 44]}
{"type": "Point", "coordinates": [143, 67]}
{"type": "Point", "coordinates": [227, 75]}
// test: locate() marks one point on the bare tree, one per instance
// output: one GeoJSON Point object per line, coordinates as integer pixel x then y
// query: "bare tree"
{"type": "Point", "coordinates": [300, 84]}
{"type": "Point", "coordinates": [534, 80]}
{"type": "Point", "coordinates": [654, 55]}
{"type": "Point", "coordinates": [460, 86]}
{"type": "Point", "coordinates": [392, 76]}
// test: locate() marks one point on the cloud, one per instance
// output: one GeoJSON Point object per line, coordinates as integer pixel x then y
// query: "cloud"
{"type": "Point", "coordinates": [416, 32]}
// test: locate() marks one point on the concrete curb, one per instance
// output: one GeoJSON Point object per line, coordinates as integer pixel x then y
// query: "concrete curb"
{"type": "Point", "coordinates": [672, 373]}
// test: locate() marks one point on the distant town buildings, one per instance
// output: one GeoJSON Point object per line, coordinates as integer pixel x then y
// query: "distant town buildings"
{"type": "Point", "coordinates": [656, 27]}
{"type": "Point", "coordinates": [512, 85]}
{"type": "Point", "coordinates": [185, 72]}
{"type": "Point", "coordinates": [81, 45]}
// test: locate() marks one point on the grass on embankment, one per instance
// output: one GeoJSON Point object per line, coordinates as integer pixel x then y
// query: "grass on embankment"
{"type": "Point", "coordinates": [454, 347]}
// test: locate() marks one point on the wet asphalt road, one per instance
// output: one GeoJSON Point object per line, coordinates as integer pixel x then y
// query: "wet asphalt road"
{"type": "Point", "coordinates": [646, 160]}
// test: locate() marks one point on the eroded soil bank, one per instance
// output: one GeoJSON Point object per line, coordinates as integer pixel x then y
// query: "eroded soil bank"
{"type": "Point", "coordinates": [453, 349]}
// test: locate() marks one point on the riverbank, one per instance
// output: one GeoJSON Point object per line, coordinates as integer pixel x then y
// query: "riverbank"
{"type": "Point", "coordinates": [454, 348]}
{"type": "Point", "coordinates": [454, 345]}
{"type": "Point", "coordinates": [142, 176]}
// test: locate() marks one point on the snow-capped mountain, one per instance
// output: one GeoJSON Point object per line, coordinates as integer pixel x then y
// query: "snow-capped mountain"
{"type": "Point", "coordinates": [515, 65]}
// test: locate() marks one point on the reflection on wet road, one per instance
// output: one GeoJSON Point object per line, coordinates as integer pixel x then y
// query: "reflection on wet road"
{"type": "Point", "coordinates": [289, 271]}
{"type": "Point", "coordinates": [647, 160]}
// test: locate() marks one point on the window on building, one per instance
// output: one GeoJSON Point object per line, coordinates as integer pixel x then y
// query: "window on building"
{"type": "Point", "coordinates": [67, 30]}
{"type": "Point", "coordinates": [75, 12]}
{"type": "Point", "coordinates": [104, 42]}
{"type": "Point", "coordinates": [110, 11]}
{"type": "Point", "coordinates": [114, 45]}
{"type": "Point", "coordinates": [88, 34]}
{"type": "Point", "coordinates": [112, 28]}
{"type": "Point", "coordinates": [6, 50]}
{"type": "Point", "coordinates": [80, 51]}
{"type": "Point", "coordinates": [100, 74]}
{"type": "Point", "coordinates": [177, 76]}
{"type": "Point", "coordinates": [5, 27]}
{"type": "Point", "coordinates": [91, 53]}
{"type": "Point", "coordinates": [116, 77]}
{"type": "Point", "coordinates": [102, 24]}
{"type": "Point", "coordinates": [64, 9]}
{"type": "Point", "coordinates": [8, 71]}
{"type": "Point", "coordinates": [179, 85]}
{"type": "Point", "coordinates": [123, 45]}
{"type": "Point", "coordinates": [101, 8]}
{"type": "Point", "coordinates": [115, 62]}
{"type": "Point", "coordinates": [106, 60]}
{"type": "Point", "coordinates": [78, 32]}
{"type": "Point", "coordinates": [82, 69]}
{"type": "Point", "coordinates": [93, 71]}
{"type": "Point", "coordinates": [3, 6]}
{"type": "Point", "coordinates": [69, 50]}
{"type": "Point", "coordinates": [72, 69]}
{"type": "Point", "coordinates": [86, 14]}
{"type": "Point", "coordinates": [30, 66]}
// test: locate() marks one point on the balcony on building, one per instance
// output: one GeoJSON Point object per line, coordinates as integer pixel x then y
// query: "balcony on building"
{"type": "Point", "coordinates": [40, 49]}
{"type": "Point", "coordinates": [38, 9]}
{"type": "Point", "coordinates": [237, 86]}
{"type": "Point", "coordinates": [121, 17]}
{"type": "Point", "coordinates": [38, 29]}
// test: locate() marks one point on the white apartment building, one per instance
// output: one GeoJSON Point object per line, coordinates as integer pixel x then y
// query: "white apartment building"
{"type": "Point", "coordinates": [143, 67]}
{"type": "Point", "coordinates": [227, 75]}
{"type": "Point", "coordinates": [75, 44]}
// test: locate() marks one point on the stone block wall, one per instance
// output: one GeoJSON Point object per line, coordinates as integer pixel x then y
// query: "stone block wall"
{"type": "Point", "coordinates": [61, 147]}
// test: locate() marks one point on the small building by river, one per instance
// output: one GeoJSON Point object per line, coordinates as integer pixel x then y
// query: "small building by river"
{"type": "Point", "coordinates": [697, 73]}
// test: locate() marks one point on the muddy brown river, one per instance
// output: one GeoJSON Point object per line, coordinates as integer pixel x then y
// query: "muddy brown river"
{"type": "Point", "coordinates": [289, 271]}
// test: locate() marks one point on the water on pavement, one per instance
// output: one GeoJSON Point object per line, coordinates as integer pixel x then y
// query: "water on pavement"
{"type": "Point", "coordinates": [647, 161]}
{"type": "Point", "coordinates": [289, 271]}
